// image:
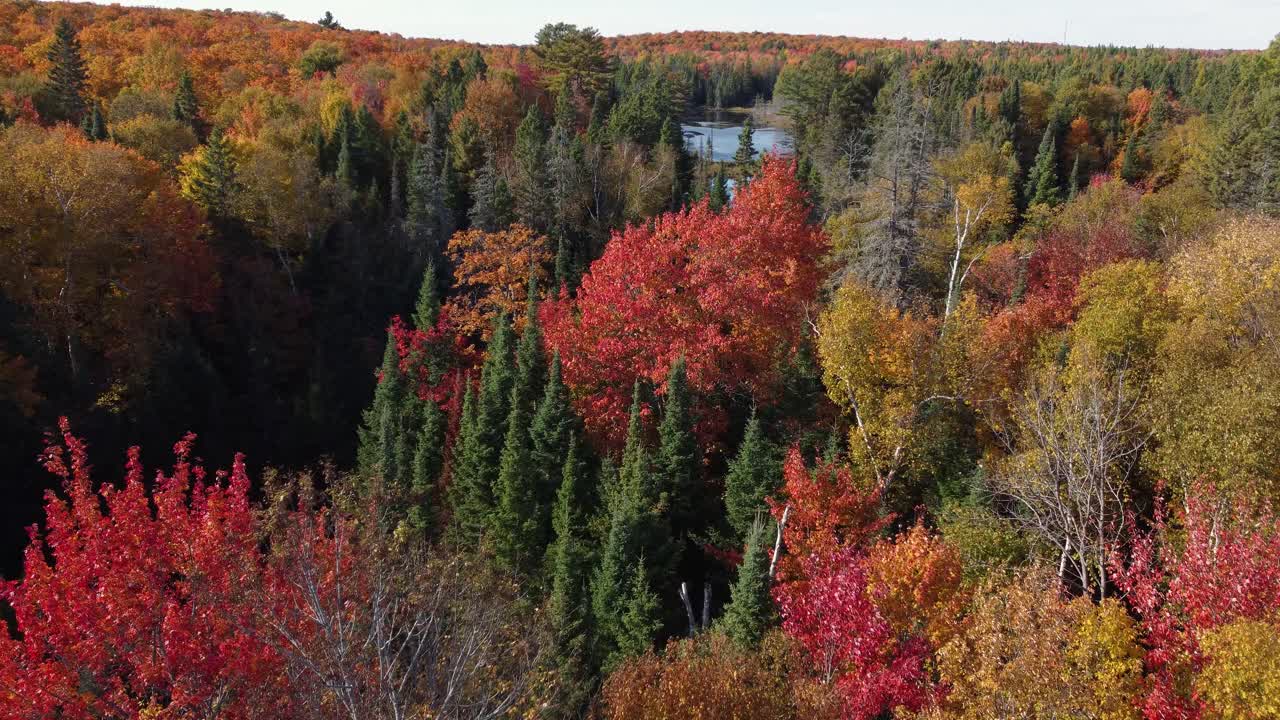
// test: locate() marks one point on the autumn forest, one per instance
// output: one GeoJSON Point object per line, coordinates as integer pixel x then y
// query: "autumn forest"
{"type": "Point", "coordinates": [346, 375]}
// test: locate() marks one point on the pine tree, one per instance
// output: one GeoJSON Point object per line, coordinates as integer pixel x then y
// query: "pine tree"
{"type": "Point", "coordinates": [754, 475]}
{"type": "Point", "coordinates": [66, 83]}
{"type": "Point", "coordinates": [469, 493]}
{"type": "Point", "coordinates": [676, 463]}
{"type": "Point", "coordinates": [532, 196]}
{"type": "Point", "coordinates": [1042, 181]}
{"type": "Point", "coordinates": [327, 22]}
{"type": "Point", "coordinates": [380, 431]}
{"type": "Point", "coordinates": [425, 201]}
{"type": "Point", "coordinates": [427, 463]}
{"type": "Point", "coordinates": [480, 439]}
{"type": "Point", "coordinates": [750, 609]}
{"type": "Point", "coordinates": [1131, 167]}
{"type": "Point", "coordinates": [550, 433]}
{"type": "Point", "coordinates": [93, 126]}
{"type": "Point", "coordinates": [640, 622]}
{"type": "Point", "coordinates": [568, 560]}
{"type": "Point", "coordinates": [186, 108]}
{"type": "Point", "coordinates": [210, 179]}
{"type": "Point", "coordinates": [566, 272]}
{"type": "Point", "coordinates": [636, 530]}
{"type": "Point", "coordinates": [491, 209]}
{"type": "Point", "coordinates": [719, 193]}
{"type": "Point", "coordinates": [426, 312]}
{"type": "Point", "coordinates": [566, 175]}
{"type": "Point", "coordinates": [345, 172]}
{"type": "Point", "coordinates": [522, 517]}
{"type": "Point", "coordinates": [745, 156]}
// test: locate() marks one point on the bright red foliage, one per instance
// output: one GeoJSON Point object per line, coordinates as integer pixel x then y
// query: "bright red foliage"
{"type": "Point", "coordinates": [1215, 565]}
{"type": "Point", "coordinates": [138, 603]}
{"type": "Point", "coordinates": [835, 618]}
{"type": "Point", "coordinates": [727, 292]}
{"type": "Point", "coordinates": [825, 512]}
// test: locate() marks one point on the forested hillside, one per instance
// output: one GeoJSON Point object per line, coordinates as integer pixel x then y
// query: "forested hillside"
{"type": "Point", "coordinates": [964, 402]}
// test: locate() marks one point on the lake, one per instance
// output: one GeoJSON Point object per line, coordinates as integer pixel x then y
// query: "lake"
{"type": "Point", "coordinates": [722, 127]}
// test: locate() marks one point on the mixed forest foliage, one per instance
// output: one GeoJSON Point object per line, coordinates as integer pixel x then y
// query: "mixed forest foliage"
{"type": "Point", "coordinates": [963, 405]}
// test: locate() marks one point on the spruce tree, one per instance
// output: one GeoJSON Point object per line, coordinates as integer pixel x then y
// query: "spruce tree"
{"type": "Point", "coordinates": [522, 517]}
{"type": "Point", "coordinates": [186, 108]}
{"type": "Point", "coordinates": [531, 191]}
{"type": "Point", "coordinates": [719, 193]}
{"type": "Point", "coordinates": [67, 76]}
{"type": "Point", "coordinates": [566, 175]}
{"type": "Point", "coordinates": [1131, 167]}
{"type": "Point", "coordinates": [550, 433]}
{"type": "Point", "coordinates": [635, 532]}
{"type": "Point", "coordinates": [1042, 181]}
{"type": "Point", "coordinates": [750, 609]}
{"type": "Point", "coordinates": [567, 605]}
{"type": "Point", "coordinates": [94, 126]}
{"type": "Point", "coordinates": [345, 173]}
{"type": "Point", "coordinates": [566, 274]}
{"type": "Point", "coordinates": [640, 621]}
{"type": "Point", "coordinates": [210, 180]}
{"type": "Point", "coordinates": [425, 201]}
{"type": "Point", "coordinates": [380, 431]}
{"type": "Point", "coordinates": [676, 462]}
{"type": "Point", "coordinates": [491, 209]}
{"type": "Point", "coordinates": [426, 465]}
{"type": "Point", "coordinates": [426, 312]}
{"type": "Point", "coordinates": [754, 474]}
{"type": "Point", "coordinates": [745, 155]}
{"type": "Point", "coordinates": [469, 493]}
{"type": "Point", "coordinates": [480, 439]}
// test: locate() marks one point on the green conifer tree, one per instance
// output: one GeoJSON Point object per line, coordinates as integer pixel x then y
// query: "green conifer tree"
{"type": "Point", "coordinates": [640, 621]}
{"type": "Point", "coordinates": [1131, 166]}
{"type": "Point", "coordinates": [210, 180]}
{"type": "Point", "coordinates": [426, 465]}
{"type": "Point", "coordinates": [754, 474]}
{"type": "Point", "coordinates": [750, 609]}
{"type": "Point", "coordinates": [554, 424]}
{"type": "Point", "coordinates": [676, 462]}
{"type": "Point", "coordinates": [568, 561]}
{"type": "Point", "coordinates": [426, 312]}
{"type": "Point", "coordinates": [186, 107]}
{"type": "Point", "coordinates": [635, 531]}
{"type": "Point", "coordinates": [67, 76]}
{"type": "Point", "coordinates": [745, 155]}
{"type": "Point", "coordinates": [378, 454]}
{"type": "Point", "coordinates": [1042, 181]}
{"type": "Point", "coordinates": [93, 125]}
{"type": "Point", "coordinates": [522, 517]}
{"type": "Point", "coordinates": [531, 187]}
{"type": "Point", "coordinates": [491, 208]}
{"type": "Point", "coordinates": [719, 193]}
{"type": "Point", "coordinates": [470, 494]}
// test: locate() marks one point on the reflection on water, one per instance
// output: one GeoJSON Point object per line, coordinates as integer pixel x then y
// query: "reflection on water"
{"type": "Point", "coordinates": [720, 130]}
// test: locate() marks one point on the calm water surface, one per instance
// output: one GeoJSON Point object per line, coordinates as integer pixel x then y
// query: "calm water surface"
{"type": "Point", "coordinates": [720, 130]}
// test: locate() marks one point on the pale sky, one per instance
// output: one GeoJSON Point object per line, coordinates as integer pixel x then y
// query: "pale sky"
{"type": "Point", "coordinates": [1170, 23]}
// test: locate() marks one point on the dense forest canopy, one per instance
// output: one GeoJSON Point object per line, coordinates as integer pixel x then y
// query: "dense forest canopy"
{"type": "Point", "coordinates": [962, 403]}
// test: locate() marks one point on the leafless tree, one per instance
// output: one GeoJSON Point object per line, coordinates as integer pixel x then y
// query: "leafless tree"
{"type": "Point", "coordinates": [1073, 447]}
{"type": "Point", "coordinates": [901, 169]}
{"type": "Point", "coordinates": [373, 628]}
